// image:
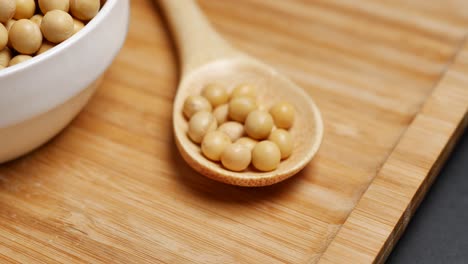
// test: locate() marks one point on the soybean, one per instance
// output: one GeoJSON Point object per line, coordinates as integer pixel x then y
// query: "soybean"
{"type": "Point", "coordinates": [195, 103]}
{"type": "Point", "coordinates": [37, 19]}
{"type": "Point", "coordinates": [49, 5]}
{"type": "Point", "coordinates": [258, 124]}
{"type": "Point", "coordinates": [200, 124]}
{"type": "Point", "coordinates": [57, 26]}
{"type": "Point", "coordinates": [221, 113]}
{"type": "Point", "coordinates": [283, 114]}
{"type": "Point", "coordinates": [19, 59]}
{"type": "Point", "coordinates": [233, 129]}
{"type": "Point", "coordinates": [7, 10]}
{"type": "Point", "coordinates": [284, 141]}
{"type": "Point", "coordinates": [240, 107]}
{"type": "Point", "coordinates": [216, 94]}
{"type": "Point", "coordinates": [77, 25]}
{"type": "Point", "coordinates": [24, 9]}
{"type": "Point", "coordinates": [46, 45]}
{"type": "Point", "coordinates": [25, 36]}
{"type": "Point", "coordinates": [84, 9]}
{"type": "Point", "coordinates": [5, 57]}
{"type": "Point", "coordinates": [247, 142]}
{"type": "Point", "coordinates": [213, 144]}
{"type": "Point", "coordinates": [244, 90]}
{"type": "Point", "coordinates": [266, 156]}
{"type": "Point", "coordinates": [3, 37]}
{"type": "Point", "coordinates": [236, 157]}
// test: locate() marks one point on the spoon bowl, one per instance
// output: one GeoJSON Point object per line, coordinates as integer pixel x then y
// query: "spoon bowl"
{"type": "Point", "coordinates": [272, 87]}
{"type": "Point", "coordinates": [207, 58]}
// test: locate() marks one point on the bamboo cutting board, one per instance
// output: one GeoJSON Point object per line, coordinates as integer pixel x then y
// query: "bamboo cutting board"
{"type": "Point", "coordinates": [391, 79]}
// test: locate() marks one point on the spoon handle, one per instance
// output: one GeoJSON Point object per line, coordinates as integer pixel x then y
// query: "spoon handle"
{"type": "Point", "coordinates": [197, 41]}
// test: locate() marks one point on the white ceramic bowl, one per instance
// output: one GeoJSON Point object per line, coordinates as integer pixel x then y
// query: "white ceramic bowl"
{"type": "Point", "coordinates": [39, 97]}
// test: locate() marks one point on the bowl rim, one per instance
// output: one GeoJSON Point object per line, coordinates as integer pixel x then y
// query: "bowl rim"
{"type": "Point", "coordinates": [90, 26]}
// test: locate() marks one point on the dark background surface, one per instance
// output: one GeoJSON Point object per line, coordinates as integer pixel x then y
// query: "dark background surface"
{"type": "Point", "coordinates": [438, 232]}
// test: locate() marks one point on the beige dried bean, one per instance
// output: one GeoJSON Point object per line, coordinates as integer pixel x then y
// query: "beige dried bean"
{"type": "Point", "coordinates": [247, 142]}
{"type": "Point", "coordinates": [266, 156]}
{"type": "Point", "coordinates": [213, 144]}
{"type": "Point", "coordinates": [49, 5]}
{"type": "Point", "coordinates": [46, 45]}
{"type": "Point", "coordinates": [236, 157]}
{"type": "Point", "coordinates": [25, 9]}
{"type": "Point", "coordinates": [283, 139]}
{"type": "Point", "coordinates": [37, 19]}
{"type": "Point", "coordinates": [19, 59]}
{"type": "Point", "coordinates": [233, 129]}
{"type": "Point", "coordinates": [57, 26]}
{"type": "Point", "coordinates": [5, 57]}
{"type": "Point", "coordinates": [201, 123]}
{"type": "Point", "coordinates": [25, 37]}
{"type": "Point", "coordinates": [242, 90]}
{"type": "Point", "coordinates": [216, 94]}
{"type": "Point", "coordinates": [7, 10]}
{"type": "Point", "coordinates": [240, 107]}
{"type": "Point", "coordinates": [9, 24]}
{"type": "Point", "coordinates": [3, 37]}
{"type": "Point", "coordinates": [195, 103]}
{"type": "Point", "coordinates": [77, 25]}
{"type": "Point", "coordinates": [283, 114]}
{"type": "Point", "coordinates": [258, 124]}
{"type": "Point", "coordinates": [84, 9]}
{"type": "Point", "coordinates": [221, 113]}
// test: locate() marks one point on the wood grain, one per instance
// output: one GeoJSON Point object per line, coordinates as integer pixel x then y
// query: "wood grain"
{"type": "Point", "coordinates": [380, 217]}
{"type": "Point", "coordinates": [112, 188]}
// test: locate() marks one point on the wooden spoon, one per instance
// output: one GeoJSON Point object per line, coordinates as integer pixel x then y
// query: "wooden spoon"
{"type": "Point", "coordinates": [207, 58]}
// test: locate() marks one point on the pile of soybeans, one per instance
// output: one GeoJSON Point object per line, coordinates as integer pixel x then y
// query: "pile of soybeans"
{"type": "Point", "coordinates": [232, 128]}
{"type": "Point", "coordinates": [31, 27]}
